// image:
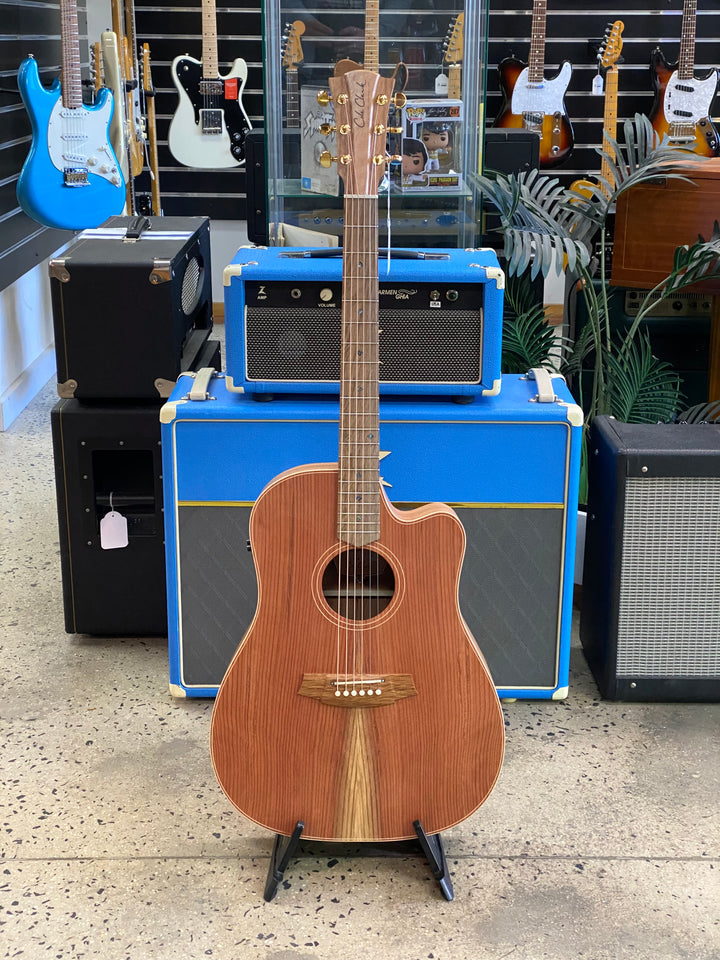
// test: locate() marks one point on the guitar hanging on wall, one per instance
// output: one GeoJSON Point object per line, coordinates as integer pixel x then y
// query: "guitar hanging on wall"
{"type": "Point", "coordinates": [608, 56]}
{"type": "Point", "coordinates": [357, 702]}
{"type": "Point", "coordinates": [682, 102]}
{"type": "Point", "coordinates": [71, 178]}
{"type": "Point", "coordinates": [534, 103]}
{"type": "Point", "coordinates": [209, 126]}
{"type": "Point", "coordinates": [453, 57]}
{"type": "Point", "coordinates": [292, 55]}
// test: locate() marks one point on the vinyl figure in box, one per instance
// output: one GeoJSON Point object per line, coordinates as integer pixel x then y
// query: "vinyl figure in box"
{"type": "Point", "coordinates": [437, 140]}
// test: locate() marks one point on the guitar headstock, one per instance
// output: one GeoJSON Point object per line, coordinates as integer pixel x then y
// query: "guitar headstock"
{"type": "Point", "coordinates": [147, 78]}
{"type": "Point", "coordinates": [612, 44]}
{"type": "Point", "coordinates": [292, 53]}
{"type": "Point", "coordinates": [454, 43]}
{"type": "Point", "coordinates": [362, 101]}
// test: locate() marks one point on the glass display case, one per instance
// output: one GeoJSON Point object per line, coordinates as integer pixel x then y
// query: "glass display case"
{"type": "Point", "coordinates": [428, 198]}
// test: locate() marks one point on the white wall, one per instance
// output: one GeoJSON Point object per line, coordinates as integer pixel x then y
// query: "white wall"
{"type": "Point", "coordinates": [27, 354]}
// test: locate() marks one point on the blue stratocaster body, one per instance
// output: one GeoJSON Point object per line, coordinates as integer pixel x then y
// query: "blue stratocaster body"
{"type": "Point", "coordinates": [71, 178]}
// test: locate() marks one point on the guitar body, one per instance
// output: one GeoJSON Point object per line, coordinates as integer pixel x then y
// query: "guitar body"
{"type": "Point", "coordinates": [537, 106]}
{"type": "Point", "coordinates": [67, 139]}
{"type": "Point", "coordinates": [681, 108]}
{"type": "Point", "coordinates": [208, 131]}
{"type": "Point", "coordinates": [113, 78]}
{"type": "Point", "coordinates": [350, 767]}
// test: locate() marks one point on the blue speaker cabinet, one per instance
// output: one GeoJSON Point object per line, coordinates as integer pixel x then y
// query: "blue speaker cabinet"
{"type": "Point", "coordinates": [440, 321]}
{"type": "Point", "coordinates": [509, 464]}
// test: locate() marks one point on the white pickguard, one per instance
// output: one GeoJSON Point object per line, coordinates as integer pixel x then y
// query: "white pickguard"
{"type": "Point", "coordinates": [77, 137]}
{"type": "Point", "coordinates": [691, 105]}
{"type": "Point", "coordinates": [187, 142]}
{"type": "Point", "coordinates": [545, 98]}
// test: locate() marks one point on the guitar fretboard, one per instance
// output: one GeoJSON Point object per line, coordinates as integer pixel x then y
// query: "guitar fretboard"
{"type": "Point", "coordinates": [292, 98]}
{"type": "Point", "coordinates": [359, 488]}
{"type": "Point", "coordinates": [71, 81]}
{"type": "Point", "coordinates": [610, 116]}
{"type": "Point", "coordinates": [372, 35]}
{"type": "Point", "coordinates": [209, 40]}
{"type": "Point", "coordinates": [686, 61]}
{"type": "Point", "coordinates": [536, 60]}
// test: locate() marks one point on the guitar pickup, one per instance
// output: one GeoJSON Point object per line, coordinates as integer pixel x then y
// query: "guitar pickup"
{"type": "Point", "coordinates": [211, 88]}
{"type": "Point", "coordinates": [75, 177]}
{"type": "Point", "coordinates": [211, 122]}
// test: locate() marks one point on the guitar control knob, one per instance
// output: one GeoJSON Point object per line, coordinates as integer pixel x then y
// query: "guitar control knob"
{"type": "Point", "coordinates": [91, 161]}
{"type": "Point", "coordinates": [104, 168]}
{"type": "Point", "coordinates": [115, 179]}
{"type": "Point", "coordinates": [236, 137]}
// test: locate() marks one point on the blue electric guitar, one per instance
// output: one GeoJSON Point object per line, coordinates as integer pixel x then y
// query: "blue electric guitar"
{"type": "Point", "coordinates": [71, 178]}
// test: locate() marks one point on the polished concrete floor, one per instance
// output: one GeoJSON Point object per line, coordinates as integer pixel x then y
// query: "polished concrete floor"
{"type": "Point", "coordinates": [601, 839]}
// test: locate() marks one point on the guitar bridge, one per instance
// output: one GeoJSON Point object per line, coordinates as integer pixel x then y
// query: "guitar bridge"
{"type": "Point", "coordinates": [75, 177]}
{"type": "Point", "coordinates": [348, 691]}
{"type": "Point", "coordinates": [211, 122]}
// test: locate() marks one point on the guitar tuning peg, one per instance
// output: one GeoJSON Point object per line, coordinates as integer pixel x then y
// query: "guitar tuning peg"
{"type": "Point", "coordinates": [399, 100]}
{"type": "Point", "coordinates": [327, 159]}
{"type": "Point", "coordinates": [327, 128]}
{"type": "Point", "coordinates": [323, 98]}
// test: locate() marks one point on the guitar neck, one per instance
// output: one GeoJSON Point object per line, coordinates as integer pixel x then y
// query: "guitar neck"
{"type": "Point", "coordinates": [372, 35]}
{"type": "Point", "coordinates": [292, 99]}
{"type": "Point", "coordinates": [536, 60]}
{"type": "Point", "coordinates": [71, 80]}
{"type": "Point", "coordinates": [686, 61]}
{"type": "Point", "coordinates": [359, 489]}
{"type": "Point", "coordinates": [209, 40]}
{"type": "Point", "coordinates": [454, 81]}
{"type": "Point", "coordinates": [610, 115]}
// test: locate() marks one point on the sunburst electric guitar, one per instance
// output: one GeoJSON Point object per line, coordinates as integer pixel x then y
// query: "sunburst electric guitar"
{"type": "Point", "coordinates": [71, 177]}
{"type": "Point", "coordinates": [682, 102]}
{"type": "Point", "coordinates": [531, 101]}
{"type": "Point", "coordinates": [209, 126]}
{"type": "Point", "coordinates": [357, 702]}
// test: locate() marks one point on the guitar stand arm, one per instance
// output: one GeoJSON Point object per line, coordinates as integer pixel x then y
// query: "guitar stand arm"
{"type": "Point", "coordinates": [284, 847]}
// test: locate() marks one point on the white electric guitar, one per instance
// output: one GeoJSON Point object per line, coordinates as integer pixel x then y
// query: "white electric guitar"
{"type": "Point", "coordinates": [210, 123]}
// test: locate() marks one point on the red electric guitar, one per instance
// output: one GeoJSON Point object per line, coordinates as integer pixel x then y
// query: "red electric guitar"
{"type": "Point", "coordinates": [357, 702]}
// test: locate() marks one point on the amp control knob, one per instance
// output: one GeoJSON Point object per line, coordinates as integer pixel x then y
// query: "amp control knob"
{"type": "Point", "coordinates": [326, 294]}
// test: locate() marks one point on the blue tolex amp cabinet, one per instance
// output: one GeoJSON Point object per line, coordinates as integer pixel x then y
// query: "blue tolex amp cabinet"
{"type": "Point", "coordinates": [509, 464]}
{"type": "Point", "coordinates": [440, 324]}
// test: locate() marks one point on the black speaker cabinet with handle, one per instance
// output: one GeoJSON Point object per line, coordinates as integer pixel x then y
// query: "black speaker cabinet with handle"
{"type": "Point", "coordinates": [650, 623]}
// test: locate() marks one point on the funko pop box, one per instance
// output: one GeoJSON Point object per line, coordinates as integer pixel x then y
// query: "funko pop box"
{"type": "Point", "coordinates": [431, 140]}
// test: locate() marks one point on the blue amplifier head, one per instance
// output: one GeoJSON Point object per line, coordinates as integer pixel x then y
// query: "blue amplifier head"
{"type": "Point", "coordinates": [440, 313]}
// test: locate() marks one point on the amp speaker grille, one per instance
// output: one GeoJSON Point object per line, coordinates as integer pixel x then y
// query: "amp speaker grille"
{"type": "Point", "coordinates": [669, 613]}
{"type": "Point", "coordinates": [420, 346]}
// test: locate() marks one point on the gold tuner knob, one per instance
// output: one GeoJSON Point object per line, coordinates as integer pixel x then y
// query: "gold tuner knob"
{"type": "Point", "coordinates": [324, 98]}
{"type": "Point", "coordinates": [326, 128]}
{"type": "Point", "coordinates": [399, 100]}
{"type": "Point", "coordinates": [379, 128]}
{"type": "Point", "coordinates": [345, 159]}
{"type": "Point", "coordinates": [326, 159]}
{"type": "Point", "coordinates": [394, 129]}
{"type": "Point", "coordinates": [377, 159]}
{"type": "Point", "coordinates": [381, 99]}
{"type": "Point", "coordinates": [396, 158]}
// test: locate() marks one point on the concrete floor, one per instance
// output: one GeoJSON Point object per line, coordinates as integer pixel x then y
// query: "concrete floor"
{"type": "Point", "coordinates": [601, 839]}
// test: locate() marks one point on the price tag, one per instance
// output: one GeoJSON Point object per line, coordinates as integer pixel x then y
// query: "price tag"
{"type": "Point", "coordinates": [231, 91]}
{"type": "Point", "coordinates": [597, 85]}
{"type": "Point", "coordinates": [113, 531]}
{"type": "Point", "coordinates": [442, 85]}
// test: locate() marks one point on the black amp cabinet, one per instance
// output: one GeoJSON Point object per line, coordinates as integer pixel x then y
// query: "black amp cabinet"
{"type": "Point", "coordinates": [650, 623]}
{"type": "Point", "coordinates": [132, 307]}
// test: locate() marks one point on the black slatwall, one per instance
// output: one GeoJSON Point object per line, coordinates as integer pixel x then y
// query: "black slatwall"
{"type": "Point", "coordinates": [26, 26]}
{"type": "Point", "coordinates": [569, 30]}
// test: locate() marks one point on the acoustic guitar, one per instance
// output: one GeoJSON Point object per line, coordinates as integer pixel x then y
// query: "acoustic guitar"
{"type": "Point", "coordinates": [357, 701]}
{"type": "Point", "coordinates": [682, 102]}
{"type": "Point", "coordinates": [531, 101]}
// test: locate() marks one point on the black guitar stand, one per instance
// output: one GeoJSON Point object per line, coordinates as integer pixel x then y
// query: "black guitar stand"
{"type": "Point", "coordinates": [284, 848]}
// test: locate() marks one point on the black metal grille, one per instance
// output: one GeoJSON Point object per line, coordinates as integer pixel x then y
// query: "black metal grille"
{"type": "Point", "coordinates": [416, 346]}
{"type": "Point", "coordinates": [191, 286]}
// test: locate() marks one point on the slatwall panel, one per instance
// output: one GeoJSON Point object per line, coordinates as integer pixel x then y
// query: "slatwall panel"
{"type": "Point", "coordinates": [26, 26]}
{"type": "Point", "coordinates": [570, 27]}
{"type": "Point", "coordinates": [174, 28]}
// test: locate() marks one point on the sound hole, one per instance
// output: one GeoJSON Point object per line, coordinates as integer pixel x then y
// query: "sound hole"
{"type": "Point", "coordinates": [358, 583]}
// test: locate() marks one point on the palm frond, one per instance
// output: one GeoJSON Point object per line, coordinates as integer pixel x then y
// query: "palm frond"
{"type": "Point", "coordinates": [528, 340]}
{"type": "Point", "coordinates": [701, 413]}
{"type": "Point", "coordinates": [639, 388]}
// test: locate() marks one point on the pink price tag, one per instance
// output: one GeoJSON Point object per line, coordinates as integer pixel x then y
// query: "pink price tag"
{"type": "Point", "coordinates": [113, 531]}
